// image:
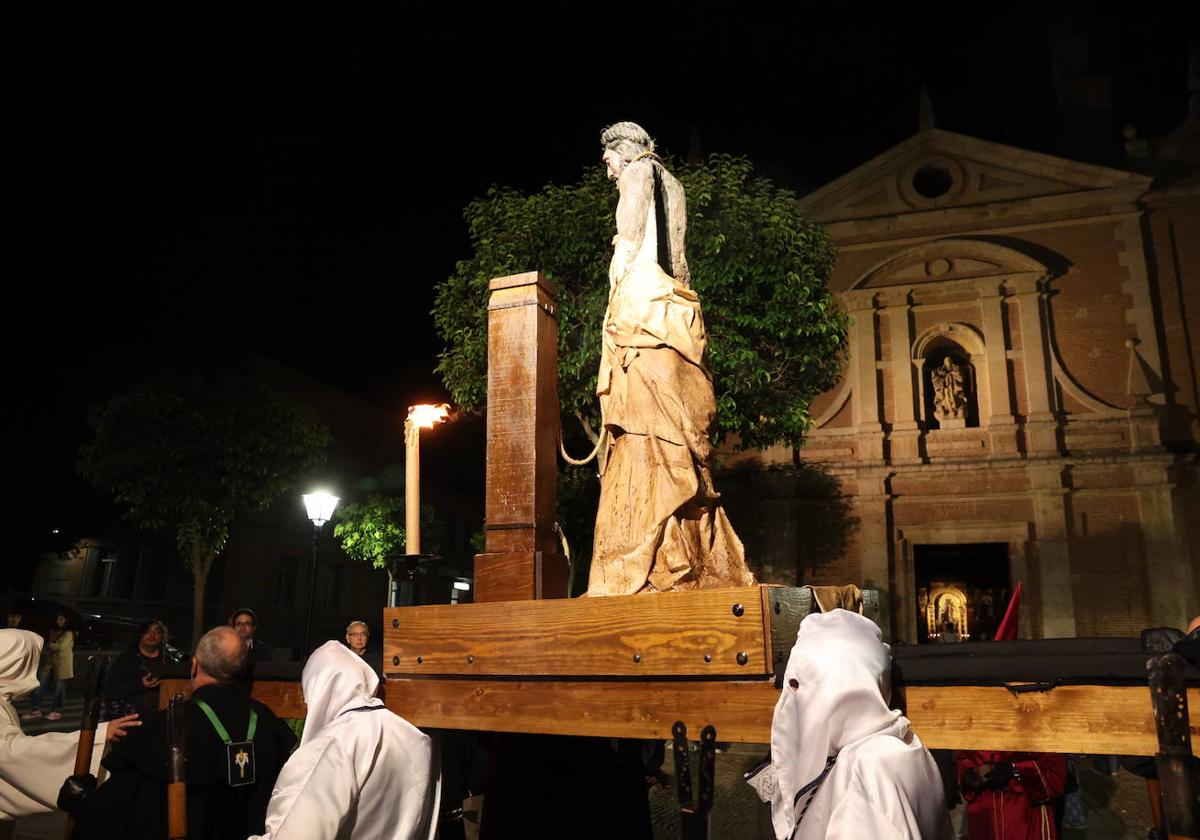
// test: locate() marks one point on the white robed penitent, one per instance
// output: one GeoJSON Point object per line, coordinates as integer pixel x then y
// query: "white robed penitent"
{"type": "Point", "coordinates": [32, 767]}
{"type": "Point", "coordinates": [360, 771]}
{"type": "Point", "coordinates": [844, 765]}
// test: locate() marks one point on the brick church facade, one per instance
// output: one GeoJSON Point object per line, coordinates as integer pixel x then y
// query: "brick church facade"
{"type": "Point", "coordinates": [1064, 298]}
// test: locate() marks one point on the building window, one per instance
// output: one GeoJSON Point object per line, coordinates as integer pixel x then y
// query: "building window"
{"type": "Point", "coordinates": [285, 592]}
{"type": "Point", "coordinates": [336, 588]}
{"type": "Point", "coordinates": [101, 560]}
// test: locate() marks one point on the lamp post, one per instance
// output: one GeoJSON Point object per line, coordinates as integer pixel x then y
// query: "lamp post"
{"type": "Point", "coordinates": [319, 506]}
{"type": "Point", "coordinates": [419, 417]}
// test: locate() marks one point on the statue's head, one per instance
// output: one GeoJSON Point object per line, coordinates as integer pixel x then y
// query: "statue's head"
{"type": "Point", "coordinates": [623, 142]}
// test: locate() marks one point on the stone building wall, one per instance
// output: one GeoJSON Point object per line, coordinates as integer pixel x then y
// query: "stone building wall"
{"type": "Point", "coordinates": [1067, 298]}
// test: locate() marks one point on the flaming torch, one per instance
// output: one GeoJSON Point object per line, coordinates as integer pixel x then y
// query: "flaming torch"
{"type": "Point", "coordinates": [419, 417]}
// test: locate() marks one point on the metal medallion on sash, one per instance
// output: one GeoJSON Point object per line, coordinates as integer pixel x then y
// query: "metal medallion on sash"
{"type": "Point", "coordinates": [239, 755]}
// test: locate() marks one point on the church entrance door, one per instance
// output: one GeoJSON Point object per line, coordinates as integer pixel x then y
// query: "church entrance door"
{"type": "Point", "coordinates": [961, 590]}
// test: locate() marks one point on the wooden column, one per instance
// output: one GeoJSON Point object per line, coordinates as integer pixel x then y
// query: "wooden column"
{"type": "Point", "coordinates": [521, 559]}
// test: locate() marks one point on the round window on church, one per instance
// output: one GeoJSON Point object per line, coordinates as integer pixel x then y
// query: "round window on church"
{"type": "Point", "coordinates": [932, 181]}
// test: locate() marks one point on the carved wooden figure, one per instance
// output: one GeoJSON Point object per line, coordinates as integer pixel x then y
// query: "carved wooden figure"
{"type": "Point", "coordinates": [660, 526]}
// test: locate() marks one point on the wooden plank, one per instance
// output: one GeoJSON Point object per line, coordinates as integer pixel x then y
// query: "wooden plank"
{"type": "Point", "coordinates": [519, 576]}
{"type": "Point", "coordinates": [1114, 720]}
{"type": "Point", "coordinates": [739, 711]}
{"type": "Point", "coordinates": [647, 636]}
{"type": "Point", "coordinates": [284, 698]}
{"type": "Point", "coordinates": [1068, 719]}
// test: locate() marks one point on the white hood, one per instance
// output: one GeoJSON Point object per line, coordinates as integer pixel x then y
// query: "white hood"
{"type": "Point", "coordinates": [20, 652]}
{"type": "Point", "coordinates": [31, 768]}
{"type": "Point", "coordinates": [835, 693]}
{"type": "Point", "coordinates": [335, 680]}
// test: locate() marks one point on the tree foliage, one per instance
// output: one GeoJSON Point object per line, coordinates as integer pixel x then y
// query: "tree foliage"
{"type": "Point", "coordinates": [192, 452]}
{"type": "Point", "coordinates": [372, 530]}
{"type": "Point", "coordinates": [776, 336]}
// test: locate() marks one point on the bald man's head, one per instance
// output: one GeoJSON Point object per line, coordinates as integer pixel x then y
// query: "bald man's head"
{"type": "Point", "coordinates": [221, 654]}
{"type": "Point", "coordinates": [1193, 624]}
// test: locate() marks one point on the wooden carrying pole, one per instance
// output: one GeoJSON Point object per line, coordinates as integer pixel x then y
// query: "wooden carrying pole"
{"type": "Point", "coordinates": [177, 770]}
{"type": "Point", "coordinates": [97, 668]}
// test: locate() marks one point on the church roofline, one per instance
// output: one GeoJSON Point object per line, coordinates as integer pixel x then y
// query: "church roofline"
{"type": "Point", "coordinates": [1083, 176]}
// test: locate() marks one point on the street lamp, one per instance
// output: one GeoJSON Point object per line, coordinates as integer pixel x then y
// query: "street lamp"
{"type": "Point", "coordinates": [319, 506]}
{"type": "Point", "coordinates": [419, 417]}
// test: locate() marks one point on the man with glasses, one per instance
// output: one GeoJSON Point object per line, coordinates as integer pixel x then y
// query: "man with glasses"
{"type": "Point", "coordinates": [245, 624]}
{"type": "Point", "coordinates": [357, 636]}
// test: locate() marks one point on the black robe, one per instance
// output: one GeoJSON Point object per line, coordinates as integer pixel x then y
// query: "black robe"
{"type": "Point", "coordinates": [133, 802]}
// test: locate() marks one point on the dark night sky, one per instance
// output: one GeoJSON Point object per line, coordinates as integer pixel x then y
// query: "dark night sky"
{"type": "Point", "coordinates": [300, 197]}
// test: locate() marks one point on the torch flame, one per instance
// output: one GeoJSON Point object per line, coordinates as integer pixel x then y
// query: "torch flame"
{"type": "Point", "coordinates": [424, 416]}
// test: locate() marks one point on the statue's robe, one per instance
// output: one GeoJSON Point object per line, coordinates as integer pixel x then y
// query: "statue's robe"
{"type": "Point", "coordinates": [659, 526]}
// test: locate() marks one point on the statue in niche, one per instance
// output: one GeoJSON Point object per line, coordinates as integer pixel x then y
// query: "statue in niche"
{"type": "Point", "coordinates": [947, 609]}
{"type": "Point", "coordinates": [949, 394]}
{"type": "Point", "coordinates": [659, 526]}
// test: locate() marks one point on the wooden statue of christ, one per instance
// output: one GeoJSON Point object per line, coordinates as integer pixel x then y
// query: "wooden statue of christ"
{"type": "Point", "coordinates": [659, 526]}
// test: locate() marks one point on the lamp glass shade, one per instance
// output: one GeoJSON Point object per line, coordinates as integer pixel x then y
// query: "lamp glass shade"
{"type": "Point", "coordinates": [320, 506]}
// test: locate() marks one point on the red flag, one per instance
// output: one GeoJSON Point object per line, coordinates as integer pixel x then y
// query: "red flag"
{"type": "Point", "coordinates": [1007, 631]}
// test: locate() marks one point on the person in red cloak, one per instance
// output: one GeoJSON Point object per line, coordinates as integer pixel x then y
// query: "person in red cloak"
{"type": "Point", "coordinates": [1011, 796]}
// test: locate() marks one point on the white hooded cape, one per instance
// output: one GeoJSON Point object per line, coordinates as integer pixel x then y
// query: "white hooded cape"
{"type": "Point", "coordinates": [32, 768]}
{"type": "Point", "coordinates": [883, 784]}
{"type": "Point", "coordinates": [360, 771]}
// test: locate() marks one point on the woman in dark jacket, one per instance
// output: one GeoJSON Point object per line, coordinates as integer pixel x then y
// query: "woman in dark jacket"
{"type": "Point", "coordinates": [132, 682]}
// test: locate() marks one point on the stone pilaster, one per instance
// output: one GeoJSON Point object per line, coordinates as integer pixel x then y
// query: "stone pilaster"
{"type": "Point", "coordinates": [905, 433]}
{"type": "Point", "coordinates": [1168, 562]}
{"type": "Point", "coordinates": [1041, 427]}
{"type": "Point", "coordinates": [872, 503]}
{"type": "Point", "coordinates": [1000, 423]}
{"type": "Point", "coordinates": [862, 369]}
{"type": "Point", "coordinates": [1053, 596]}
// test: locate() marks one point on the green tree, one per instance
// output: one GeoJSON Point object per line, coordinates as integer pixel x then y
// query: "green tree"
{"type": "Point", "coordinates": [372, 530]}
{"type": "Point", "coordinates": [192, 452]}
{"type": "Point", "coordinates": [776, 335]}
